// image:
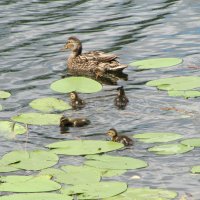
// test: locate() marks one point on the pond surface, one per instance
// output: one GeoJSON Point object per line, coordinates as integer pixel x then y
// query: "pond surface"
{"type": "Point", "coordinates": [31, 36]}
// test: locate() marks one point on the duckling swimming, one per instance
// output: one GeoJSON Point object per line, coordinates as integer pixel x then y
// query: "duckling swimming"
{"type": "Point", "coordinates": [91, 62]}
{"type": "Point", "coordinates": [121, 139]}
{"type": "Point", "coordinates": [76, 101]}
{"type": "Point", "coordinates": [76, 122]}
{"type": "Point", "coordinates": [121, 100]}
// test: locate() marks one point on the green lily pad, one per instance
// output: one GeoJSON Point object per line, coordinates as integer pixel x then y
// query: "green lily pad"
{"type": "Point", "coordinates": [4, 95]}
{"type": "Point", "coordinates": [10, 129]}
{"type": "Point", "coordinates": [157, 137]}
{"type": "Point", "coordinates": [156, 63]}
{"type": "Point", "coordinates": [96, 190]}
{"type": "Point", "coordinates": [193, 142]}
{"type": "Point", "coordinates": [27, 184]}
{"type": "Point", "coordinates": [144, 194]}
{"type": "Point", "coordinates": [38, 196]}
{"type": "Point", "coordinates": [185, 94]}
{"type": "Point", "coordinates": [73, 175]}
{"type": "Point", "coordinates": [83, 147]}
{"type": "Point", "coordinates": [78, 84]}
{"type": "Point", "coordinates": [49, 104]}
{"type": "Point", "coordinates": [38, 118]}
{"type": "Point", "coordinates": [170, 149]}
{"type": "Point", "coordinates": [114, 162]}
{"type": "Point", "coordinates": [33, 160]}
{"type": "Point", "coordinates": [196, 169]}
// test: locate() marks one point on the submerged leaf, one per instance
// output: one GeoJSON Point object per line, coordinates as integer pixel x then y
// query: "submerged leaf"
{"type": "Point", "coordinates": [4, 95]}
{"type": "Point", "coordinates": [1, 107]}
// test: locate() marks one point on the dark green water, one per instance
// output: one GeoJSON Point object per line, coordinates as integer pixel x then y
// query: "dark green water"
{"type": "Point", "coordinates": [31, 35]}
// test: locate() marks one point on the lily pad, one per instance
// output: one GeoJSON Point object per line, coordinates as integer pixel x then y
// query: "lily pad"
{"type": "Point", "coordinates": [49, 104]}
{"type": "Point", "coordinates": [144, 194]}
{"type": "Point", "coordinates": [196, 169]}
{"type": "Point", "coordinates": [157, 137]}
{"type": "Point", "coordinates": [114, 162]}
{"type": "Point", "coordinates": [38, 118]}
{"type": "Point", "coordinates": [78, 84]}
{"type": "Point", "coordinates": [170, 149]}
{"type": "Point", "coordinates": [156, 63]}
{"type": "Point", "coordinates": [193, 142]}
{"type": "Point", "coordinates": [4, 95]}
{"type": "Point", "coordinates": [10, 129]}
{"type": "Point", "coordinates": [185, 94]}
{"type": "Point", "coordinates": [27, 184]}
{"type": "Point", "coordinates": [38, 196]}
{"type": "Point", "coordinates": [83, 147]}
{"type": "Point", "coordinates": [33, 160]}
{"type": "Point", "coordinates": [96, 190]}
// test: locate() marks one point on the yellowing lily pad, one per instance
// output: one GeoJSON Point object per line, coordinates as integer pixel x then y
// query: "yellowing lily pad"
{"type": "Point", "coordinates": [96, 190]}
{"type": "Point", "coordinates": [156, 63]}
{"type": "Point", "coordinates": [83, 147]}
{"type": "Point", "coordinates": [186, 94]}
{"type": "Point", "coordinates": [114, 162]}
{"type": "Point", "coordinates": [4, 95]}
{"type": "Point", "coordinates": [170, 149]}
{"type": "Point", "coordinates": [36, 196]}
{"type": "Point", "coordinates": [79, 84]}
{"type": "Point", "coordinates": [38, 118]}
{"type": "Point", "coordinates": [49, 104]}
{"type": "Point", "coordinates": [27, 184]}
{"type": "Point", "coordinates": [145, 194]}
{"type": "Point", "coordinates": [193, 142]}
{"type": "Point", "coordinates": [157, 137]}
{"type": "Point", "coordinates": [196, 169]}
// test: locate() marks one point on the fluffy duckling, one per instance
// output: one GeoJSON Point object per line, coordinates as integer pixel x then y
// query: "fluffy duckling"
{"type": "Point", "coordinates": [76, 101]}
{"type": "Point", "coordinates": [121, 100]}
{"type": "Point", "coordinates": [92, 61]}
{"type": "Point", "coordinates": [121, 139]}
{"type": "Point", "coordinates": [76, 122]}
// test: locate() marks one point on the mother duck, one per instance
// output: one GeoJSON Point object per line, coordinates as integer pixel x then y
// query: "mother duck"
{"type": "Point", "coordinates": [94, 62]}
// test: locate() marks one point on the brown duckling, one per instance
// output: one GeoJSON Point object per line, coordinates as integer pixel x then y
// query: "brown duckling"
{"type": "Point", "coordinates": [75, 122]}
{"type": "Point", "coordinates": [121, 139]}
{"type": "Point", "coordinates": [91, 62]}
{"type": "Point", "coordinates": [121, 100]}
{"type": "Point", "coordinates": [76, 101]}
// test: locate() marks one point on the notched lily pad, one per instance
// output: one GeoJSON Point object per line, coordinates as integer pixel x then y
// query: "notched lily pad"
{"type": "Point", "coordinates": [170, 149]}
{"type": "Point", "coordinates": [49, 104]}
{"type": "Point", "coordinates": [38, 118]}
{"type": "Point", "coordinates": [96, 190]}
{"type": "Point", "coordinates": [196, 169]}
{"type": "Point", "coordinates": [156, 63]}
{"type": "Point", "coordinates": [192, 142]}
{"type": "Point", "coordinates": [79, 84]}
{"type": "Point", "coordinates": [157, 137]}
{"type": "Point", "coordinates": [4, 95]}
{"type": "Point", "coordinates": [83, 147]}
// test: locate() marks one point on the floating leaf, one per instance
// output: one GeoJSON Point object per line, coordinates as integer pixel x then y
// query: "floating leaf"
{"type": "Point", "coordinates": [144, 194]}
{"type": "Point", "coordinates": [79, 84]}
{"type": "Point", "coordinates": [114, 162]}
{"type": "Point", "coordinates": [4, 95]}
{"type": "Point", "coordinates": [196, 169]}
{"type": "Point", "coordinates": [38, 118]}
{"type": "Point", "coordinates": [170, 149]}
{"type": "Point", "coordinates": [27, 184]}
{"type": "Point", "coordinates": [49, 104]}
{"type": "Point", "coordinates": [157, 137]}
{"type": "Point", "coordinates": [185, 94]}
{"type": "Point", "coordinates": [193, 142]}
{"type": "Point", "coordinates": [10, 129]}
{"type": "Point", "coordinates": [156, 63]}
{"type": "Point", "coordinates": [33, 160]}
{"type": "Point", "coordinates": [83, 147]}
{"type": "Point", "coordinates": [96, 190]}
{"type": "Point", "coordinates": [38, 196]}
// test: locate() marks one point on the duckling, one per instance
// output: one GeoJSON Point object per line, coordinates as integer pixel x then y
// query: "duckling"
{"type": "Point", "coordinates": [76, 101]}
{"type": "Point", "coordinates": [121, 100]}
{"type": "Point", "coordinates": [76, 122]}
{"type": "Point", "coordinates": [121, 139]}
{"type": "Point", "coordinates": [91, 62]}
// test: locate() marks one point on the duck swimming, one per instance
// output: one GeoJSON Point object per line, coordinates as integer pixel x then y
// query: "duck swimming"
{"type": "Point", "coordinates": [76, 101]}
{"type": "Point", "coordinates": [97, 63]}
{"type": "Point", "coordinates": [121, 100]}
{"type": "Point", "coordinates": [75, 122]}
{"type": "Point", "coordinates": [121, 139]}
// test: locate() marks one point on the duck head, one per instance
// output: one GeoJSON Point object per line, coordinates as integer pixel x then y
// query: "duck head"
{"type": "Point", "coordinates": [120, 91]}
{"type": "Point", "coordinates": [73, 96]}
{"type": "Point", "coordinates": [112, 132]}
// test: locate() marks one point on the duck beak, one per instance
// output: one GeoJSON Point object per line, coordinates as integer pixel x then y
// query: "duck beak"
{"type": "Point", "coordinates": [64, 48]}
